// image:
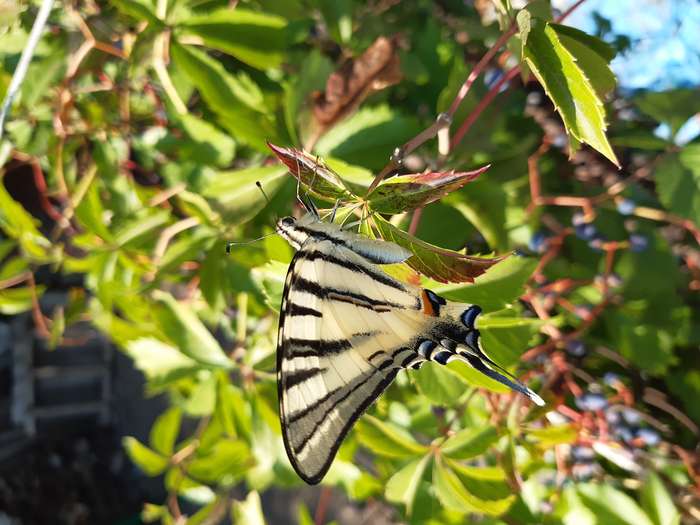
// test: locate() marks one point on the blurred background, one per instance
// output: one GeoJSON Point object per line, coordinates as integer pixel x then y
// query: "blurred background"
{"type": "Point", "coordinates": [137, 358]}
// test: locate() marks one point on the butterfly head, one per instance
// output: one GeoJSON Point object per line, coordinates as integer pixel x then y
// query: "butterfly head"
{"type": "Point", "coordinates": [288, 229]}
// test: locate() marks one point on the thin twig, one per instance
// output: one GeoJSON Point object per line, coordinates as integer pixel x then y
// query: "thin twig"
{"type": "Point", "coordinates": [24, 60]}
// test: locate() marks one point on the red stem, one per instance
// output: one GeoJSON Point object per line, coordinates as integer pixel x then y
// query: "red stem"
{"type": "Point", "coordinates": [483, 104]}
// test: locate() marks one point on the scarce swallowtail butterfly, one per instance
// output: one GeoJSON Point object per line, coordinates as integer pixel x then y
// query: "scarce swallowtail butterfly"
{"type": "Point", "coordinates": [347, 328]}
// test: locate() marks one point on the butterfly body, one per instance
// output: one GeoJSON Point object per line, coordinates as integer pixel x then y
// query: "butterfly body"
{"type": "Point", "coordinates": [347, 328]}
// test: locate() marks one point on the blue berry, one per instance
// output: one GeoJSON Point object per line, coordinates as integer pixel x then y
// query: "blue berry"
{"type": "Point", "coordinates": [585, 231]}
{"type": "Point", "coordinates": [624, 433]}
{"type": "Point", "coordinates": [612, 417]}
{"type": "Point", "coordinates": [576, 348]}
{"type": "Point", "coordinates": [578, 218]}
{"type": "Point", "coordinates": [650, 437]}
{"type": "Point", "coordinates": [638, 242]}
{"type": "Point", "coordinates": [538, 242]}
{"type": "Point", "coordinates": [631, 416]}
{"type": "Point", "coordinates": [626, 206]}
{"type": "Point", "coordinates": [610, 378]}
{"type": "Point", "coordinates": [582, 454]}
{"type": "Point", "coordinates": [591, 401]}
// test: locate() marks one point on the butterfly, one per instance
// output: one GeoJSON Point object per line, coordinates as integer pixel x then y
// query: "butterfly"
{"type": "Point", "coordinates": [347, 328]}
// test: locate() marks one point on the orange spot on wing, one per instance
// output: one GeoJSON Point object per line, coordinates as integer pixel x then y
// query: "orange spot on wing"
{"type": "Point", "coordinates": [428, 308]}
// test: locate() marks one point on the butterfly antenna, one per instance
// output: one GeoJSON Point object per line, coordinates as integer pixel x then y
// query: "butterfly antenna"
{"type": "Point", "coordinates": [231, 244]}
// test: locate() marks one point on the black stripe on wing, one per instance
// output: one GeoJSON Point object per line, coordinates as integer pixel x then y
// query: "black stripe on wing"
{"type": "Point", "coordinates": [375, 275]}
{"type": "Point", "coordinates": [335, 294]}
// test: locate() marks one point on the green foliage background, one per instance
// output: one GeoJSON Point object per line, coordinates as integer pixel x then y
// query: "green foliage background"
{"type": "Point", "coordinates": [148, 125]}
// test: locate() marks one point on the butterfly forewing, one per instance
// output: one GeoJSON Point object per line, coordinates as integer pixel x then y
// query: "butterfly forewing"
{"type": "Point", "coordinates": [339, 326]}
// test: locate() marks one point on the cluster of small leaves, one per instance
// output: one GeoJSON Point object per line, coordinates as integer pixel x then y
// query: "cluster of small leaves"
{"type": "Point", "coordinates": [144, 133]}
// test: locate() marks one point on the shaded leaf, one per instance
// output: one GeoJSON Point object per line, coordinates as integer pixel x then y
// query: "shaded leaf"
{"type": "Point", "coordinates": [439, 384]}
{"type": "Point", "coordinates": [235, 195]}
{"type": "Point", "coordinates": [184, 328]}
{"type": "Point", "coordinates": [568, 86]}
{"type": "Point", "coordinates": [218, 88]}
{"type": "Point", "coordinates": [407, 192]}
{"type": "Point", "coordinates": [437, 263]}
{"type": "Point", "coordinates": [673, 107]}
{"type": "Point", "coordinates": [140, 10]}
{"type": "Point", "coordinates": [678, 182]}
{"type": "Point", "coordinates": [495, 289]}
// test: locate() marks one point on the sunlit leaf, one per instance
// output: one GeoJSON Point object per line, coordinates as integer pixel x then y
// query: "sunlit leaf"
{"type": "Point", "coordinates": [439, 384]}
{"type": "Point", "coordinates": [437, 263]}
{"type": "Point", "coordinates": [658, 503]}
{"type": "Point", "coordinates": [165, 431]}
{"type": "Point", "coordinates": [406, 192]}
{"type": "Point", "coordinates": [387, 439]}
{"type": "Point", "coordinates": [402, 486]}
{"type": "Point", "coordinates": [567, 84]}
{"type": "Point", "coordinates": [150, 462]}
{"type": "Point", "coordinates": [469, 442]}
{"type": "Point", "coordinates": [612, 506]}
{"type": "Point", "coordinates": [258, 39]}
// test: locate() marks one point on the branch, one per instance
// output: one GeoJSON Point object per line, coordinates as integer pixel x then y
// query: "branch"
{"type": "Point", "coordinates": [27, 54]}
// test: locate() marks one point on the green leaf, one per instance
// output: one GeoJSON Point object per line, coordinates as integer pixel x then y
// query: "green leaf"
{"type": "Point", "coordinates": [218, 89]}
{"type": "Point", "coordinates": [469, 442]}
{"type": "Point", "coordinates": [407, 192]}
{"type": "Point", "coordinates": [270, 281]}
{"type": "Point", "coordinates": [592, 56]}
{"type": "Point", "coordinates": [678, 182]}
{"type": "Point", "coordinates": [210, 145]}
{"type": "Point", "coordinates": [497, 288]}
{"type": "Point", "coordinates": [312, 173]}
{"type": "Point", "coordinates": [249, 511]}
{"type": "Point", "coordinates": [17, 223]}
{"type": "Point", "coordinates": [568, 86]}
{"type": "Point", "coordinates": [235, 195]}
{"type": "Point", "coordinates": [150, 462]}
{"type": "Point", "coordinates": [140, 10]}
{"type": "Point", "coordinates": [658, 502]}
{"type": "Point", "coordinates": [453, 494]}
{"type": "Point", "coordinates": [441, 385]}
{"type": "Point", "coordinates": [402, 486]}
{"type": "Point", "coordinates": [184, 328]}
{"type": "Point", "coordinates": [368, 137]}
{"type": "Point", "coordinates": [437, 263]}
{"type": "Point", "coordinates": [552, 435]}
{"type": "Point", "coordinates": [387, 439]}
{"type": "Point", "coordinates": [156, 359]}
{"type": "Point", "coordinates": [17, 300]}
{"type": "Point", "coordinates": [258, 39]}
{"type": "Point", "coordinates": [673, 107]}
{"type": "Point", "coordinates": [612, 506]}
{"type": "Point", "coordinates": [165, 431]}
{"type": "Point", "coordinates": [224, 463]}
{"type": "Point", "coordinates": [484, 205]}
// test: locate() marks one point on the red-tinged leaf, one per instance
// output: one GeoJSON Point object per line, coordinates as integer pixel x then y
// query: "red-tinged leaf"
{"type": "Point", "coordinates": [437, 263]}
{"type": "Point", "coordinates": [312, 173]}
{"type": "Point", "coordinates": [407, 192]}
